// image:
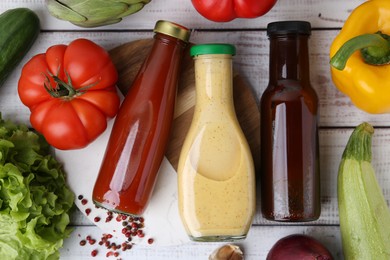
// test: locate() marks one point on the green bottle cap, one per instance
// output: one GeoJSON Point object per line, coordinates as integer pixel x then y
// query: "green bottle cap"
{"type": "Point", "coordinates": [212, 48]}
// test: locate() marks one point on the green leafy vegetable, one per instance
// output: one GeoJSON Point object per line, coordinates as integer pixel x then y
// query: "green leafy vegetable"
{"type": "Point", "coordinates": [34, 198]}
{"type": "Point", "coordinates": [94, 13]}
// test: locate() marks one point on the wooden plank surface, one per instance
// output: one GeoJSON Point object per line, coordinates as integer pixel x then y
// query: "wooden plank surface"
{"type": "Point", "coordinates": [337, 114]}
{"type": "Point", "coordinates": [329, 14]}
{"type": "Point", "coordinates": [332, 144]}
{"type": "Point", "coordinates": [251, 62]}
{"type": "Point", "coordinates": [256, 246]}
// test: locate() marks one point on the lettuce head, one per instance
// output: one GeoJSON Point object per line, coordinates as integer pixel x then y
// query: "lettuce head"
{"type": "Point", "coordinates": [34, 198]}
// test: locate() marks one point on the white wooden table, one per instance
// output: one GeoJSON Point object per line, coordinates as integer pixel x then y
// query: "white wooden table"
{"type": "Point", "coordinates": [337, 115]}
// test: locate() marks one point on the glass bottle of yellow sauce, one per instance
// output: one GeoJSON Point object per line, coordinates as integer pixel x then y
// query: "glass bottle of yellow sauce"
{"type": "Point", "coordinates": [216, 179]}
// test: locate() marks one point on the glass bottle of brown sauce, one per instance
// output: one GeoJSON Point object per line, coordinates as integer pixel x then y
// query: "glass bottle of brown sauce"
{"type": "Point", "coordinates": [290, 178]}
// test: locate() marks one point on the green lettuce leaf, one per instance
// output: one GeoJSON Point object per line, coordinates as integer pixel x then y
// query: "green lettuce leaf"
{"type": "Point", "coordinates": [35, 200]}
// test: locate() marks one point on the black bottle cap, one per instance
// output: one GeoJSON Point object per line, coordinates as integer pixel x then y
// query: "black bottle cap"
{"type": "Point", "coordinates": [289, 27]}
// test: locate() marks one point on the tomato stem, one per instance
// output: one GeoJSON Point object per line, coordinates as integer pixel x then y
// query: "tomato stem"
{"type": "Point", "coordinates": [63, 89]}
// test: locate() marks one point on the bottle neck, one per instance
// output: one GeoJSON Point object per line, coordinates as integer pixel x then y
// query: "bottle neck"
{"type": "Point", "coordinates": [166, 39]}
{"type": "Point", "coordinates": [165, 51]}
{"type": "Point", "coordinates": [214, 78]}
{"type": "Point", "coordinates": [163, 60]}
{"type": "Point", "coordinates": [289, 58]}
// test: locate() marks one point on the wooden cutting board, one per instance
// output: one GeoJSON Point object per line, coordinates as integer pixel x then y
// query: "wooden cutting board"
{"type": "Point", "coordinates": [128, 59]}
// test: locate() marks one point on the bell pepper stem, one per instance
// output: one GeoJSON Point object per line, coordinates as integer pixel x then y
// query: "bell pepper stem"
{"type": "Point", "coordinates": [375, 46]}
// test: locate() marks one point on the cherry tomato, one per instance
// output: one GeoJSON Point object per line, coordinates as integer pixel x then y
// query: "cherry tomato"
{"type": "Point", "coordinates": [70, 91]}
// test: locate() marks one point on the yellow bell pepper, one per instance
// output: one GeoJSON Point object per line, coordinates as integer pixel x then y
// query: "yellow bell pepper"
{"type": "Point", "coordinates": [360, 54]}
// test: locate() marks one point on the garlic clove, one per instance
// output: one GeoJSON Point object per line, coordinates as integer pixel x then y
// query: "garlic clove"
{"type": "Point", "coordinates": [227, 252]}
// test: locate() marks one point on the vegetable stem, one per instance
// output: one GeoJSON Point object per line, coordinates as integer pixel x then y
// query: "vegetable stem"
{"type": "Point", "coordinates": [62, 89]}
{"type": "Point", "coordinates": [359, 144]}
{"type": "Point", "coordinates": [375, 50]}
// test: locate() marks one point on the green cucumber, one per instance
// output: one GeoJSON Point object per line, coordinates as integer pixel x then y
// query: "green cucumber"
{"type": "Point", "coordinates": [19, 28]}
{"type": "Point", "coordinates": [363, 211]}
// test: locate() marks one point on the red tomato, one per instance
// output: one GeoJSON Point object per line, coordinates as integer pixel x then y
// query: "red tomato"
{"type": "Point", "coordinates": [70, 91]}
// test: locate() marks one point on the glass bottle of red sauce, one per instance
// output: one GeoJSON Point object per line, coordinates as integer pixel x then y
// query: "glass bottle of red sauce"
{"type": "Point", "coordinates": [290, 178]}
{"type": "Point", "coordinates": [141, 129]}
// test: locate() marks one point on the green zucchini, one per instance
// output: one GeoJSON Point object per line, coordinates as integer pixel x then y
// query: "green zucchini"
{"type": "Point", "coordinates": [19, 28]}
{"type": "Point", "coordinates": [363, 211]}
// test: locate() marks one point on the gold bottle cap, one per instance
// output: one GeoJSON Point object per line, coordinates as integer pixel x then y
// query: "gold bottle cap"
{"type": "Point", "coordinates": [172, 29]}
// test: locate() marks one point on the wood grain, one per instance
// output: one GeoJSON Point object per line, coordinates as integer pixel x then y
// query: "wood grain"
{"type": "Point", "coordinates": [332, 144]}
{"type": "Point", "coordinates": [251, 62]}
{"type": "Point", "coordinates": [256, 246]}
{"type": "Point", "coordinates": [331, 13]}
{"type": "Point", "coordinates": [128, 59]}
{"type": "Point", "coordinates": [337, 114]}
